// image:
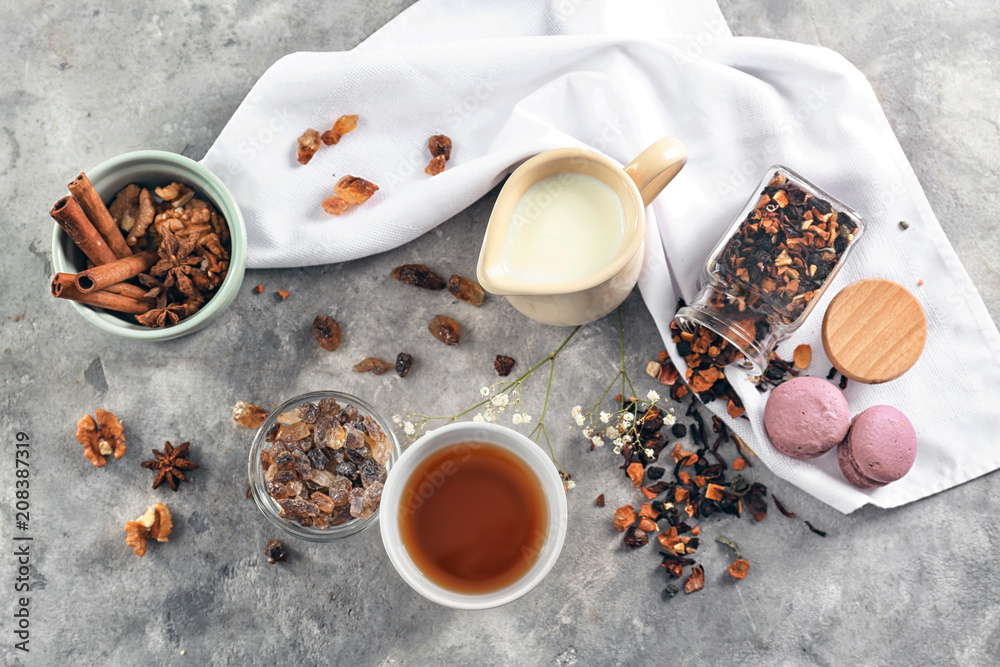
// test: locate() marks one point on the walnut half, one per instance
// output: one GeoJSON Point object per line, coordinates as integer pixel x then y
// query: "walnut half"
{"type": "Point", "coordinates": [101, 438]}
{"type": "Point", "coordinates": [155, 524]}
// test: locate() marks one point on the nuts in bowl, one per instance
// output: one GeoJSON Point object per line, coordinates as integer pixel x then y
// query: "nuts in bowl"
{"type": "Point", "coordinates": [318, 464]}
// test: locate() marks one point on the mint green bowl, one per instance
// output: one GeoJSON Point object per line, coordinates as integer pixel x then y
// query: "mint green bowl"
{"type": "Point", "coordinates": [155, 169]}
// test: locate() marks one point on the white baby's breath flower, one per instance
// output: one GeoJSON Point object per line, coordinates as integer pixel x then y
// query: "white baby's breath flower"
{"type": "Point", "coordinates": [597, 441]}
{"type": "Point", "coordinates": [570, 484]}
{"type": "Point", "coordinates": [648, 452]}
{"type": "Point", "coordinates": [525, 417]}
{"type": "Point", "coordinates": [605, 417]}
{"type": "Point", "coordinates": [489, 416]}
{"type": "Point", "coordinates": [669, 419]}
{"type": "Point", "coordinates": [580, 421]}
{"type": "Point", "coordinates": [576, 410]}
{"type": "Point", "coordinates": [611, 433]}
{"type": "Point", "coordinates": [627, 438]}
{"type": "Point", "coordinates": [409, 428]}
{"type": "Point", "coordinates": [618, 446]}
{"type": "Point", "coordinates": [516, 418]}
{"type": "Point", "coordinates": [479, 419]}
{"type": "Point", "coordinates": [397, 420]}
{"type": "Point", "coordinates": [652, 395]}
{"type": "Point", "coordinates": [627, 418]}
{"type": "Point", "coordinates": [485, 391]}
{"type": "Point", "coordinates": [588, 432]}
{"type": "Point", "coordinates": [500, 401]}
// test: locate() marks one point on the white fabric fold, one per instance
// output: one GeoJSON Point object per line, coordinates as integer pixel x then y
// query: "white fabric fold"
{"type": "Point", "coordinates": [506, 80]}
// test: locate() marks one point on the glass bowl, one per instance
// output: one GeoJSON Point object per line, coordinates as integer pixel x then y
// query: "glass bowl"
{"type": "Point", "coordinates": [267, 505]}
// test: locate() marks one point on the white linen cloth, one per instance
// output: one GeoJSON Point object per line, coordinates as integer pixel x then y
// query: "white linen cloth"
{"type": "Point", "coordinates": [506, 79]}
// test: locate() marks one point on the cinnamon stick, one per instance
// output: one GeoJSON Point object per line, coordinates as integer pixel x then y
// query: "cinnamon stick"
{"type": "Point", "coordinates": [95, 210]}
{"type": "Point", "coordinates": [102, 276]}
{"type": "Point", "coordinates": [129, 290]}
{"type": "Point", "coordinates": [64, 287]}
{"type": "Point", "coordinates": [74, 222]}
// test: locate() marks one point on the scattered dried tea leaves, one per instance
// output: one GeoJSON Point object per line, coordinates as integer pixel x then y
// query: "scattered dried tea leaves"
{"type": "Point", "coordinates": [372, 365]}
{"type": "Point", "coordinates": [326, 331]}
{"type": "Point", "coordinates": [418, 275]}
{"type": "Point", "coordinates": [155, 524]}
{"type": "Point", "coordinates": [284, 294]}
{"type": "Point", "coordinates": [696, 581]}
{"type": "Point", "coordinates": [802, 356]}
{"type": "Point", "coordinates": [722, 539]}
{"type": "Point", "coordinates": [275, 552]}
{"type": "Point", "coordinates": [821, 533]}
{"type": "Point", "coordinates": [341, 126]}
{"type": "Point", "coordinates": [635, 473]}
{"type": "Point", "coordinates": [624, 517]}
{"type": "Point", "coordinates": [309, 143]}
{"type": "Point", "coordinates": [248, 415]}
{"type": "Point", "coordinates": [170, 465]}
{"type": "Point", "coordinates": [259, 289]}
{"type": "Point", "coordinates": [445, 329]}
{"type": "Point", "coordinates": [101, 438]}
{"type": "Point", "coordinates": [466, 290]}
{"type": "Point", "coordinates": [635, 537]}
{"type": "Point", "coordinates": [781, 508]}
{"type": "Point", "coordinates": [404, 362]}
{"type": "Point", "coordinates": [739, 569]}
{"type": "Point", "coordinates": [503, 365]}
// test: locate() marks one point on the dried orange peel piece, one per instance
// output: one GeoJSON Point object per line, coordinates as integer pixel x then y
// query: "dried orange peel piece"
{"type": "Point", "coordinates": [739, 569]}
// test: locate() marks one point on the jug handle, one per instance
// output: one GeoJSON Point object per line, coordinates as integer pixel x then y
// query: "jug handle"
{"type": "Point", "coordinates": [656, 166]}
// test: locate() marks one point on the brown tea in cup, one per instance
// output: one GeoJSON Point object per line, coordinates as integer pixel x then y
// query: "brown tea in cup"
{"type": "Point", "coordinates": [473, 517]}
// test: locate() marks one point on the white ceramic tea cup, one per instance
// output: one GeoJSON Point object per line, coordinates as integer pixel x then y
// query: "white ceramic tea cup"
{"type": "Point", "coordinates": [512, 441]}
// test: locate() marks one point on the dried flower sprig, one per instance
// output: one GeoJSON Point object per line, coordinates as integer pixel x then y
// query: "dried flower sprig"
{"type": "Point", "coordinates": [499, 400]}
{"type": "Point", "coordinates": [623, 425]}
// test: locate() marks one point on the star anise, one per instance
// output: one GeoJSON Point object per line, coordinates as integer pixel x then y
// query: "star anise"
{"type": "Point", "coordinates": [169, 464]}
{"type": "Point", "coordinates": [177, 261]}
{"type": "Point", "coordinates": [162, 316]}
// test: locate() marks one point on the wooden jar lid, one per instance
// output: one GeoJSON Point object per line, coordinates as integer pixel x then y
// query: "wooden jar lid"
{"type": "Point", "coordinates": [874, 330]}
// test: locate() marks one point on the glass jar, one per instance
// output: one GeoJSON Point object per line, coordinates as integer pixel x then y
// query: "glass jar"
{"type": "Point", "coordinates": [270, 508]}
{"type": "Point", "coordinates": [772, 265]}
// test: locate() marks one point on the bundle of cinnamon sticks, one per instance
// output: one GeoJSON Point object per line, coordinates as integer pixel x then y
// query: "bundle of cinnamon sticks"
{"type": "Point", "coordinates": [176, 248]}
{"type": "Point", "coordinates": [86, 220]}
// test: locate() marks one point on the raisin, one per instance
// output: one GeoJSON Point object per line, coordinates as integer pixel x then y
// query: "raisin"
{"type": "Point", "coordinates": [327, 332]}
{"type": "Point", "coordinates": [275, 552]}
{"type": "Point", "coordinates": [372, 365]}
{"type": "Point", "coordinates": [503, 365]}
{"type": "Point", "coordinates": [418, 275]}
{"type": "Point", "coordinates": [466, 290]}
{"type": "Point", "coordinates": [403, 363]}
{"type": "Point", "coordinates": [635, 538]}
{"type": "Point", "coordinates": [445, 329]}
{"type": "Point", "coordinates": [679, 430]}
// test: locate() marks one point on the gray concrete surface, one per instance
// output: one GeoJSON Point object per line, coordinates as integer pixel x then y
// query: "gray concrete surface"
{"type": "Point", "coordinates": [85, 81]}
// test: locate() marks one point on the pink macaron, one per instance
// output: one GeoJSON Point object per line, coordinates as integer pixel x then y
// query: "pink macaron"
{"type": "Point", "coordinates": [880, 448]}
{"type": "Point", "coordinates": [806, 417]}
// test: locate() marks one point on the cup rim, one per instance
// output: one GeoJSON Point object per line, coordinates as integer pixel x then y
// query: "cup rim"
{"type": "Point", "coordinates": [530, 453]}
{"type": "Point", "coordinates": [266, 504]}
{"type": "Point", "coordinates": [490, 255]}
{"type": "Point", "coordinates": [237, 263]}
